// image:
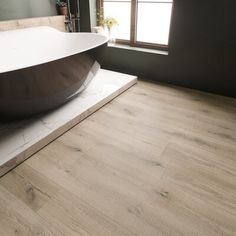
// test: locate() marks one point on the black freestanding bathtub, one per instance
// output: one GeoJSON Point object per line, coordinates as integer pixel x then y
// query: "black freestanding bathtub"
{"type": "Point", "coordinates": [42, 68]}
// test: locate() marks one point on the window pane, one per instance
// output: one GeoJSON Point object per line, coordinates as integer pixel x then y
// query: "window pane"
{"type": "Point", "coordinates": [153, 21]}
{"type": "Point", "coordinates": [121, 12]}
{"type": "Point", "coordinates": [158, 1]}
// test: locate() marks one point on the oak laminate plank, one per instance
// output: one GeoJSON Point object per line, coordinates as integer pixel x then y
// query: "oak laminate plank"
{"type": "Point", "coordinates": [214, 139]}
{"type": "Point", "coordinates": [134, 169]}
{"type": "Point", "coordinates": [110, 197]}
{"type": "Point", "coordinates": [80, 217]}
{"type": "Point", "coordinates": [190, 95]}
{"type": "Point", "coordinates": [157, 160]}
{"type": "Point", "coordinates": [28, 186]}
{"type": "Point", "coordinates": [204, 114]}
{"type": "Point", "coordinates": [100, 184]}
{"type": "Point", "coordinates": [178, 131]}
{"type": "Point", "coordinates": [204, 178]}
{"type": "Point", "coordinates": [105, 143]}
{"type": "Point", "coordinates": [18, 219]}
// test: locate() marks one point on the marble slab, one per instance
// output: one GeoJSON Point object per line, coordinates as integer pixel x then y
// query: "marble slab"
{"type": "Point", "coordinates": [20, 139]}
{"type": "Point", "coordinates": [57, 22]}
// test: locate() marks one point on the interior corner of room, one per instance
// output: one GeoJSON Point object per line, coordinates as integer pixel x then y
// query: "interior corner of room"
{"type": "Point", "coordinates": [201, 50]}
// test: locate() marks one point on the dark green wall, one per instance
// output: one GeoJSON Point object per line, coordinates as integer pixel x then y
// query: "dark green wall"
{"type": "Point", "coordinates": [17, 9]}
{"type": "Point", "coordinates": [85, 25]}
{"type": "Point", "coordinates": [202, 49]}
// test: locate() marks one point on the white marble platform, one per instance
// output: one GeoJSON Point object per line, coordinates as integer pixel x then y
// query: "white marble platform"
{"type": "Point", "coordinates": [20, 139]}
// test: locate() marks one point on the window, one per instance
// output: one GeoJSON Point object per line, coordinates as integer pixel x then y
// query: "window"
{"type": "Point", "coordinates": [142, 23]}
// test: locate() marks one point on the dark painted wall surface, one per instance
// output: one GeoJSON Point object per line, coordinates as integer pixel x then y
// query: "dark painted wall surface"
{"type": "Point", "coordinates": [202, 49]}
{"type": "Point", "coordinates": [85, 25]}
{"type": "Point", "coordinates": [17, 9]}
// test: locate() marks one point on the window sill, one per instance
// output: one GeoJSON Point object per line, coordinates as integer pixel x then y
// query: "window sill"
{"type": "Point", "coordinates": [148, 50]}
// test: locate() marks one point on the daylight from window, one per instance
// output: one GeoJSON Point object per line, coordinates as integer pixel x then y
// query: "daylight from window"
{"type": "Point", "coordinates": [153, 19]}
{"type": "Point", "coordinates": [121, 11]}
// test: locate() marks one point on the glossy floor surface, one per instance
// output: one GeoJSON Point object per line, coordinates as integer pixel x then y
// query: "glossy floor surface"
{"type": "Point", "coordinates": [157, 160]}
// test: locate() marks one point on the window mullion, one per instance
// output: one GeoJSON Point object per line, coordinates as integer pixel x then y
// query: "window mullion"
{"type": "Point", "coordinates": [133, 28]}
{"type": "Point", "coordinates": [100, 11]}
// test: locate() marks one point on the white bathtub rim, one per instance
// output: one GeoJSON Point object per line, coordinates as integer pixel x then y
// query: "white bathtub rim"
{"type": "Point", "coordinates": [19, 58]}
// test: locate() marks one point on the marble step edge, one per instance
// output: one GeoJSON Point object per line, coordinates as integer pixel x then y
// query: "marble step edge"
{"type": "Point", "coordinates": [24, 155]}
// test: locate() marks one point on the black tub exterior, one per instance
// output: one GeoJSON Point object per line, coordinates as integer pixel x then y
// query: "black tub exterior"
{"type": "Point", "coordinates": [37, 89]}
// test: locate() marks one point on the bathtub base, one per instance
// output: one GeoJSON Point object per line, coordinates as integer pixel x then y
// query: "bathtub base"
{"type": "Point", "coordinates": [38, 89]}
{"type": "Point", "coordinates": [20, 139]}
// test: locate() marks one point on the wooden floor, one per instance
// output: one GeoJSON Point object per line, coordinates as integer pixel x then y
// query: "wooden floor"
{"type": "Point", "coordinates": [157, 160]}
